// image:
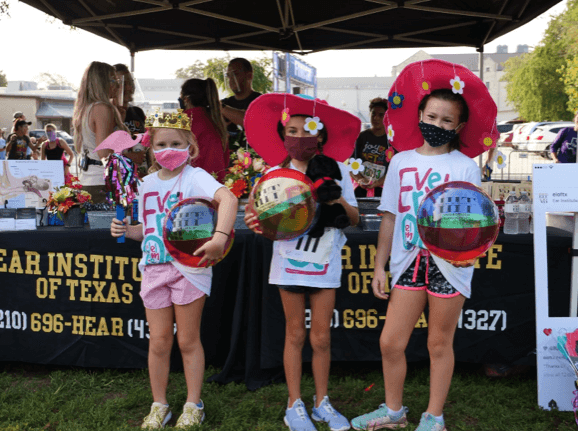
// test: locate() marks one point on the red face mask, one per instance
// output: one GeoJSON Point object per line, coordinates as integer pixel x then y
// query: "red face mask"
{"type": "Point", "coordinates": [302, 149]}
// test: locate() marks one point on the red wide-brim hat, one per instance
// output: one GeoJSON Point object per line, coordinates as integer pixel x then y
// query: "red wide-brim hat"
{"type": "Point", "coordinates": [418, 80]}
{"type": "Point", "coordinates": [266, 111]}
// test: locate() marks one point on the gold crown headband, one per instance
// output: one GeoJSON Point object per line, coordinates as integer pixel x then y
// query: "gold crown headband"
{"type": "Point", "coordinates": [180, 120]}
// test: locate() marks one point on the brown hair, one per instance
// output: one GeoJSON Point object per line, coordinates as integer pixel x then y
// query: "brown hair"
{"type": "Point", "coordinates": [448, 96]}
{"type": "Point", "coordinates": [204, 93]}
{"type": "Point", "coordinates": [186, 134]}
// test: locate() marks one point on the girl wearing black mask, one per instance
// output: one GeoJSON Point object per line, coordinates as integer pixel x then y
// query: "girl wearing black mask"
{"type": "Point", "coordinates": [288, 131]}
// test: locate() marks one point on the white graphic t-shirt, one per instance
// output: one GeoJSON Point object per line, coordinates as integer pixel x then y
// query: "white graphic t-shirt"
{"type": "Point", "coordinates": [313, 262]}
{"type": "Point", "coordinates": [156, 198]}
{"type": "Point", "coordinates": [409, 178]}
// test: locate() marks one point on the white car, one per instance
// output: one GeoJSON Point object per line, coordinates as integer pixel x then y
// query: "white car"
{"type": "Point", "coordinates": [544, 135]}
{"type": "Point", "coordinates": [522, 133]}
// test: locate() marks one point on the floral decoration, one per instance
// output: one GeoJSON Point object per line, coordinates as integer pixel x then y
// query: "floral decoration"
{"type": "Point", "coordinates": [501, 160]}
{"type": "Point", "coordinates": [457, 85]}
{"type": "Point", "coordinates": [355, 165]}
{"type": "Point", "coordinates": [245, 169]}
{"type": "Point", "coordinates": [396, 100]}
{"type": "Point", "coordinates": [313, 125]}
{"type": "Point", "coordinates": [389, 153]}
{"type": "Point", "coordinates": [390, 133]}
{"type": "Point", "coordinates": [426, 86]}
{"type": "Point", "coordinates": [67, 196]}
{"type": "Point", "coordinates": [285, 116]}
{"type": "Point", "coordinates": [487, 140]}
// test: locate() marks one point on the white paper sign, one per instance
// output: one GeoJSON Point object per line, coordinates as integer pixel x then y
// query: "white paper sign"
{"type": "Point", "coordinates": [28, 183]}
{"type": "Point", "coordinates": [555, 190]}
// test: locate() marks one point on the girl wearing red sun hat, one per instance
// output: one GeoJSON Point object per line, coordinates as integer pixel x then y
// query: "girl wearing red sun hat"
{"type": "Point", "coordinates": [288, 131]}
{"type": "Point", "coordinates": [440, 115]}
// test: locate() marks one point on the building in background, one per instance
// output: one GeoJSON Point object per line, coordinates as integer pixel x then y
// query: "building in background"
{"type": "Point", "coordinates": [39, 106]}
{"type": "Point", "coordinates": [493, 72]}
{"type": "Point", "coordinates": [353, 94]}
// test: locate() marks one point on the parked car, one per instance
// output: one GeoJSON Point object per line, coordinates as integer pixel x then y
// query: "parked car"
{"type": "Point", "coordinates": [37, 133]}
{"type": "Point", "coordinates": [522, 134]}
{"type": "Point", "coordinates": [543, 136]}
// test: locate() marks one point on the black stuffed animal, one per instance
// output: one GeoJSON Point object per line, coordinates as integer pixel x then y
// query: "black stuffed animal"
{"type": "Point", "coordinates": [323, 171]}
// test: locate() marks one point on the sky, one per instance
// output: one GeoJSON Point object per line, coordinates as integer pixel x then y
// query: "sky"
{"type": "Point", "coordinates": [45, 45]}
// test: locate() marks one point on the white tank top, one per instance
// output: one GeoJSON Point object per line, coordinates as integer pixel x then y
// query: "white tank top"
{"type": "Point", "coordinates": [94, 176]}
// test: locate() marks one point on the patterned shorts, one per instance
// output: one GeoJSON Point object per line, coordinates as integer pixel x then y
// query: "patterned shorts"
{"type": "Point", "coordinates": [424, 274]}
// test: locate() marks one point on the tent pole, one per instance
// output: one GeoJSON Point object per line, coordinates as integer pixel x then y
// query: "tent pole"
{"type": "Point", "coordinates": [132, 62]}
{"type": "Point", "coordinates": [481, 67]}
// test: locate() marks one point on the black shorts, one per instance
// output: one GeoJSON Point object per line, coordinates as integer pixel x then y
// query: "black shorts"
{"type": "Point", "coordinates": [424, 274]}
{"type": "Point", "coordinates": [300, 289]}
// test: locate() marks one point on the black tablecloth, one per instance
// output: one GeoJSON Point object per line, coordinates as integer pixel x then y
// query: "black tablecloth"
{"type": "Point", "coordinates": [71, 297]}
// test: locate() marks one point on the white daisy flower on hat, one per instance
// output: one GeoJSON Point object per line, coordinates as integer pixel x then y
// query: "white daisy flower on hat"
{"type": "Point", "coordinates": [355, 165]}
{"type": "Point", "coordinates": [501, 160]}
{"type": "Point", "coordinates": [390, 133]}
{"type": "Point", "coordinates": [457, 85]}
{"type": "Point", "coordinates": [313, 125]}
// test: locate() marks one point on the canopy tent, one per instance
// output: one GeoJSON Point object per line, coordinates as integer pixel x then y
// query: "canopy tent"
{"type": "Point", "coordinates": [296, 26]}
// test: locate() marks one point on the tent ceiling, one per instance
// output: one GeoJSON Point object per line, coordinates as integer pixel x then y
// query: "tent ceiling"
{"type": "Point", "coordinates": [298, 26]}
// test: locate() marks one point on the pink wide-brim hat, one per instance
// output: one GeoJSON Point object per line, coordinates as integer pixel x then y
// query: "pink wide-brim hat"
{"type": "Point", "coordinates": [418, 80]}
{"type": "Point", "coordinates": [264, 113]}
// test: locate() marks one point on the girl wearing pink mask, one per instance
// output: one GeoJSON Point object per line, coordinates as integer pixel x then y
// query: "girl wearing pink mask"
{"type": "Point", "coordinates": [54, 148]}
{"type": "Point", "coordinates": [288, 131]}
{"type": "Point", "coordinates": [171, 292]}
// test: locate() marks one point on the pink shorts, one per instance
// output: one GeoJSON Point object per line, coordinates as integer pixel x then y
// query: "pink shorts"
{"type": "Point", "coordinates": [163, 285]}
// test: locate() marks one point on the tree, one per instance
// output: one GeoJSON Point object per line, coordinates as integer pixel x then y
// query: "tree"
{"type": "Point", "coordinates": [536, 81]}
{"type": "Point", "coordinates": [216, 68]}
{"type": "Point", "coordinates": [53, 80]}
{"type": "Point", "coordinates": [196, 70]}
{"type": "Point", "coordinates": [3, 80]}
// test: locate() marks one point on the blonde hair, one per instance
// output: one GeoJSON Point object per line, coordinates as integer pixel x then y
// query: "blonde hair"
{"type": "Point", "coordinates": [50, 125]}
{"type": "Point", "coordinates": [204, 93]}
{"type": "Point", "coordinates": [186, 134]}
{"type": "Point", "coordinates": [94, 87]}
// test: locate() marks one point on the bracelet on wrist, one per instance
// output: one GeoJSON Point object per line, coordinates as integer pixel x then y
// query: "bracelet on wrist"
{"type": "Point", "coordinates": [220, 231]}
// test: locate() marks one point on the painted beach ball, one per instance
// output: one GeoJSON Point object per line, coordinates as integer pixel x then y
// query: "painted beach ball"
{"type": "Point", "coordinates": [284, 203]}
{"type": "Point", "coordinates": [188, 225]}
{"type": "Point", "coordinates": [458, 221]}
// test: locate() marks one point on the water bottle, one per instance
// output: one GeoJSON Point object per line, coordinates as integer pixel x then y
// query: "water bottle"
{"type": "Point", "coordinates": [525, 212]}
{"type": "Point", "coordinates": [511, 210]}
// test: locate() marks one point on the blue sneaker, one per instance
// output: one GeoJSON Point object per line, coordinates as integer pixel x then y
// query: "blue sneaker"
{"type": "Point", "coordinates": [326, 413]}
{"type": "Point", "coordinates": [428, 423]}
{"type": "Point", "coordinates": [379, 419]}
{"type": "Point", "coordinates": [297, 419]}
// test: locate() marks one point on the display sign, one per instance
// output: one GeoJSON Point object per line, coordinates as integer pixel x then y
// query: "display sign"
{"type": "Point", "coordinates": [28, 183]}
{"type": "Point", "coordinates": [301, 71]}
{"type": "Point", "coordinates": [555, 191]}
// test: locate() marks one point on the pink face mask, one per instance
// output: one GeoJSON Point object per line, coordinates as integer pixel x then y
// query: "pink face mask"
{"type": "Point", "coordinates": [172, 158]}
{"type": "Point", "coordinates": [51, 135]}
{"type": "Point", "coordinates": [302, 149]}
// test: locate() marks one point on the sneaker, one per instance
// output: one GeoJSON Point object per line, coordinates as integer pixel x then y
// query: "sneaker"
{"type": "Point", "coordinates": [326, 413]}
{"type": "Point", "coordinates": [379, 419]}
{"type": "Point", "coordinates": [428, 423]}
{"type": "Point", "coordinates": [297, 419]}
{"type": "Point", "coordinates": [158, 417]}
{"type": "Point", "coordinates": [192, 415]}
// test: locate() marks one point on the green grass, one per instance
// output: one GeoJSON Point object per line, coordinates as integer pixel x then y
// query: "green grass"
{"type": "Point", "coordinates": [36, 397]}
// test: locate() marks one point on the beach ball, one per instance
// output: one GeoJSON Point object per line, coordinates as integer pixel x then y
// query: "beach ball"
{"type": "Point", "coordinates": [188, 225]}
{"type": "Point", "coordinates": [458, 221]}
{"type": "Point", "coordinates": [284, 203]}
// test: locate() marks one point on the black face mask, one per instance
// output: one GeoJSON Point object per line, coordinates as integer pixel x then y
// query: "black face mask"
{"type": "Point", "coordinates": [182, 104]}
{"type": "Point", "coordinates": [436, 136]}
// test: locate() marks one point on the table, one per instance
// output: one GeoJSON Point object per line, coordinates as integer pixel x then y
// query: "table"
{"type": "Point", "coordinates": [70, 297]}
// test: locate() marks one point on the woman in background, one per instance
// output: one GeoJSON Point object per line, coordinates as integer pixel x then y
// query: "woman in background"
{"type": "Point", "coordinates": [95, 117]}
{"type": "Point", "coordinates": [200, 99]}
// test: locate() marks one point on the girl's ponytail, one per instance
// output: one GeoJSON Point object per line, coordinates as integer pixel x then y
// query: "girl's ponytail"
{"type": "Point", "coordinates": [215, 111]}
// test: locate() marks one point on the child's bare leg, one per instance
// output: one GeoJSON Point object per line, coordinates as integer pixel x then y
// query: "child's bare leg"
{"type": "Point", "coordinates": [322, 304]}
{"type": "Point", "coordinates": [188, 318]}
{"type": "Point", "coordinates": [294, 308]}
{"type": "Point", "coordinates": [161, 342]}
{"type": "Point", "coordinates": [443, 320]}
{"type": "Point", "coordinates": [404, 309]}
